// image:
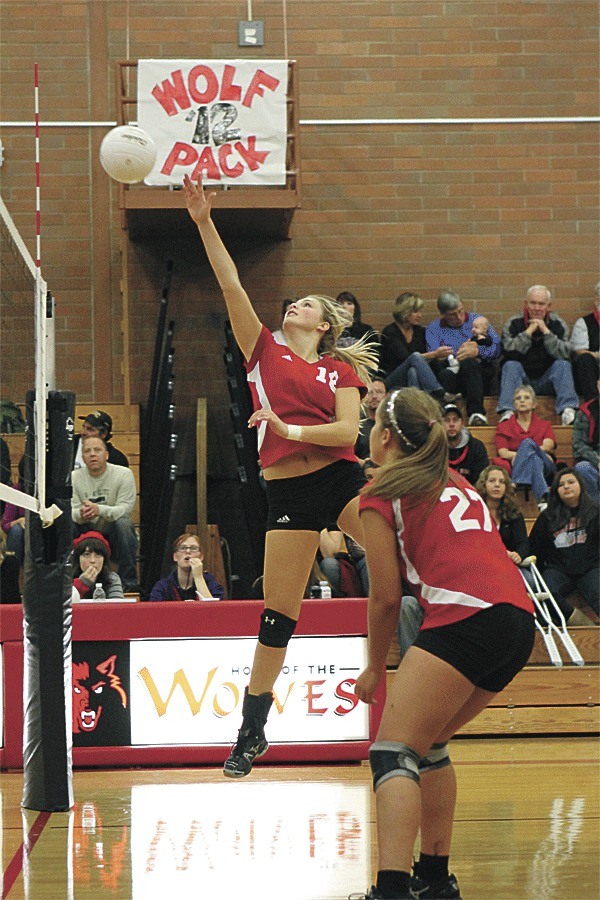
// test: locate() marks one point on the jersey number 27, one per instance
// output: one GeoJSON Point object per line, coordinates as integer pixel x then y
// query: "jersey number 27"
{"type": "Point", "coordinates": [460, 521]}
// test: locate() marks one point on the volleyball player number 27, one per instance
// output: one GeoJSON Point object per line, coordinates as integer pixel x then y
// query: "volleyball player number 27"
{"type": "Point", "coordinates": [461, 522]}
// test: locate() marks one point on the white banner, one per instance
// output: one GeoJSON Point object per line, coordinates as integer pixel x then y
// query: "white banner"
{"type": "Point", "coordinates": [224, 120]}
{"type": "Point", "coordinates": [191, 691]}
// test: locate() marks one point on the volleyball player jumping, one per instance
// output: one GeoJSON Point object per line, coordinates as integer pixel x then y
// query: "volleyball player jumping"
{"type": "Point", "coordinates": [307, 407]}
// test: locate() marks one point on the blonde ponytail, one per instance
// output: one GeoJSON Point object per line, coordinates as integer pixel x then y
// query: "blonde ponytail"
{"type": "Point", "coordinates": [363, 356]}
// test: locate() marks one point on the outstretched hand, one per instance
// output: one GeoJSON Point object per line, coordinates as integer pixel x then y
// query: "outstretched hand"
{"type": "Point", "coordinates": [197, 202]}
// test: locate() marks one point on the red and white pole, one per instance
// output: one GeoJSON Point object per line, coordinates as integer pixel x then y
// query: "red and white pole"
{"type": "Point", "coordinates": [38, 212]}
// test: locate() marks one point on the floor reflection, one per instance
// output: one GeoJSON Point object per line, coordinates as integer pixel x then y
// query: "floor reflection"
{"type": "Point", "coordinates": [243, 839]}
{"type": "Point", "coordinates": [565, 826]}
{"type": "Point", "coordinates": [100, 854]}
{"type": "Point", "coordinates": [523, 830]}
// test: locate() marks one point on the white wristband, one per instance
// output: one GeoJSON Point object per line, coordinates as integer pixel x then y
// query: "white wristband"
{"type": "Point", "coordinates": [294, 432]}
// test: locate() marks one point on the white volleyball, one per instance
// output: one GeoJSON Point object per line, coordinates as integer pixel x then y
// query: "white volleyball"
{"type": "Point", "coordinates": [127, 154]}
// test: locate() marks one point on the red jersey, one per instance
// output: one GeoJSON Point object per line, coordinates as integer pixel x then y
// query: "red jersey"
{"type": "Point", "coordinates": [510, 435]}
{"type": "Point", "coordinates": [299, 392]}
{"type": "Point", "coordinates": [453, 557]}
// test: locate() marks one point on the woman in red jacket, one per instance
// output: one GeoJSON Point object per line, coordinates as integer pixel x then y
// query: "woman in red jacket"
{"type": "Point", "coordinates": [525, 445]}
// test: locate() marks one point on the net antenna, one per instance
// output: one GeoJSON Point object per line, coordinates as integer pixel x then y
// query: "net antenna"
{"type": "Point", "coordinates": [44, 341]}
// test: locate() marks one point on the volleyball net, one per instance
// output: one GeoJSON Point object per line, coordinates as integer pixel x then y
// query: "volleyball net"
{"type": "Point", "coordinates": [27, 365]}
{"type": "Point", "coordinates": [36, 425]}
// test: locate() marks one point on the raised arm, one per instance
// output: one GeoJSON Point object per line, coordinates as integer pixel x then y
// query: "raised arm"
{"type": "Point", "coordinates": [245, 323]}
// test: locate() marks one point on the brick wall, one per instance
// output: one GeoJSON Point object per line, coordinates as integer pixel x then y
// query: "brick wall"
{"type": "Point", "coordinates": [483, 208]}
{"type": "Point", "coordinates": [486, 209]}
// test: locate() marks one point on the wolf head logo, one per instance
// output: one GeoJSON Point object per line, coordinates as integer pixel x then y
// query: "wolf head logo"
{"type": "Point", "coordinates": [89, 693]}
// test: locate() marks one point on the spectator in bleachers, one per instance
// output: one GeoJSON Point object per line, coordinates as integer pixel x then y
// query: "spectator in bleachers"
{"type": "Point", "coordinates": [480, 332]}
{"type": "Point", "coordinates": [91, 566]}
{"type": "Point", "coordinates": [97, 424]}
{"type": "Point", "coordinates": [585, 343]}
{"type": "Point", "coordinates": [498, 493]}
{"type": "Point", "coordinates": [586, 449]}
{"type": "Point", "coordinates": [537, 351]}
{"type": "Point", "coordinates": [451, 335]}
{"type": "Point", "coordinates": [13, 520]}
{"type": "Point", "coordinates": [343, 564]}
{"type": "Point", "coordinates": [526, 444]}
{"type": "Point", "coordinates": [358, 328]}
{"type": "Point", "coordinates": [375, 395]}
{"type": "Point", "coordinates": [564, 538]}
{"type": "Point", "coordinates": [466, 454]}
{"type": "Point", "coordinates": [103, 499]}
{"type": "Point", "coordinates": [188, 580]}
{"type": "Point", "coordinates": [405, 359]}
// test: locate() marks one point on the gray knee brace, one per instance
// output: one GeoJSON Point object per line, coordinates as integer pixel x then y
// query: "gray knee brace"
{"type": "Point", "coordinates": [437, 758]}
{"type": "Point", "coordinates": [390, 759]}
{"type": "Point", "coordinates": [275, 629]}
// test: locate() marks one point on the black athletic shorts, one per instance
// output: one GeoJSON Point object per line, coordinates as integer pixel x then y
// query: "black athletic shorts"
{"type": "Point", "coordinates": [488, 648]}
{"type": "Point", "coordinates": [312, 502]}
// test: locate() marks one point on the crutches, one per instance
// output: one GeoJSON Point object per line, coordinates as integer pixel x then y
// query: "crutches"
{"type": "Point", "coordinates": [542, 596]}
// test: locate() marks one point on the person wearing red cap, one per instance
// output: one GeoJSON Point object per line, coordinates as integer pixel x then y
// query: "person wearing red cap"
{"type": "Point", "coordinates": [103, 499]}
{"type": "Point", "coordinates": [97, 424]}
{"type": "Point", "coordinates": [91, 565]}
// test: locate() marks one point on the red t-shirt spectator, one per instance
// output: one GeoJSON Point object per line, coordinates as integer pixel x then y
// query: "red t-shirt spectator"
{"type": "Point", "coordinates": [510, 434]}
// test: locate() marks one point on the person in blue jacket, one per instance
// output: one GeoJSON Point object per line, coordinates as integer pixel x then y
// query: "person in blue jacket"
{"type": "Point", "coordinates": [188, 580]}
{"type": "Point", "coordinates": [452, 334]}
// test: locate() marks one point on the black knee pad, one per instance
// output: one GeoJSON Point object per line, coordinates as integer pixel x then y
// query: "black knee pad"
{"type": "Point", "coordinates": [390, 759]}
{"type": "Point", "coordinates": [275, 629]}
{"type": "Point", "coordinates": [437, 758]}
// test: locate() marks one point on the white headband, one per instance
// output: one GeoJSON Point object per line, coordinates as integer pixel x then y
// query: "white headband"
{"type": "Point", "coordinates": [392, 415]}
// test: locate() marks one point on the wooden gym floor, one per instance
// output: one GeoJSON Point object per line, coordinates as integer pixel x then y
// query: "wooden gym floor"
{"type": "Point", "coordinates": [526, 827]}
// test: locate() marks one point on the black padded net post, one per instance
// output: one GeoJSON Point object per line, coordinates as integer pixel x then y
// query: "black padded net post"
{"type": "Point", "coordinates": [47, 727]}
